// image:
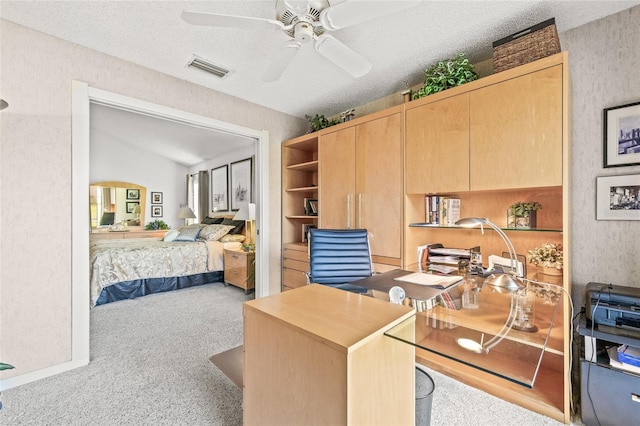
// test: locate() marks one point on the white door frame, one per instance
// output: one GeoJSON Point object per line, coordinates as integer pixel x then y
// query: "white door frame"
{"type": "Point", "coordinates": [82, 96]}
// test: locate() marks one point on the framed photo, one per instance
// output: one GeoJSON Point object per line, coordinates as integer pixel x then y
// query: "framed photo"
{"type": "Point", "coordinates": [622, 135]}
{"type": "Point", "coordinates": [310, 207]}
{"type": "Point", "coordinates": [618, 197]}
{"type": "Point", "coordinates": [131, 206]}
{"type": "Point", "coordinates": [156, 198]}
{"type": "Point", "coordinates": [156, 211]}
{"type": "Point", "coordinates": [133, 194]}
{"type": "Point", "coordinates": [305, 231]}
{"type": "Point", "coordinates": [241, 181]}
{"type": "Point", "coordinates": [220, 188]}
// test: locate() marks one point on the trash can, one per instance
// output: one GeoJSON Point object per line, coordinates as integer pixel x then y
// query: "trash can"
{"type": "Point", "coordinates": [424, 395]}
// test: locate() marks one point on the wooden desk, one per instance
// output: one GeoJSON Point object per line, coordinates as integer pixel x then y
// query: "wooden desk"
{"type": "Point", "coordinates": [318, 355]}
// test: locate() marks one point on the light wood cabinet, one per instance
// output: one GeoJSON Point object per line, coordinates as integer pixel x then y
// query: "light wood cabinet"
{"type": "Point", "coordinates": [295, 264]}
{"type": "Point", "coordinates": [239, 269]}
{"type": "Point", "coordinates": [516, 132]}
{"type": "Point", "coordinates": [361, 176]}
{"type": "Point", "coordinates": [318, 355]}
{"type": "Point", "coordinates": [108, 235]}
{"type": "Point", "coordinates": [437, 146]}
{"type": "Point", "coordinates": [518, 151]}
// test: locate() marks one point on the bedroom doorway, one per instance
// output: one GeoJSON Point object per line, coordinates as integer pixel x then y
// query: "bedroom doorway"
{"type": "Point", "coordinates": [82, 97]}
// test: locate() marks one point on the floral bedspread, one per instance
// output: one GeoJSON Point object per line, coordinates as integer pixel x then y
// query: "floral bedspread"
{"type": "Point", "coordinates": [118, 260]}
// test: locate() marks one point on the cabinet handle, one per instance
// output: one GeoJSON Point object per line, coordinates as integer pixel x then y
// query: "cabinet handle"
{"type": "Point", "coordinates": [348, 211]}
{"type": "Point", "coordinates": [635, 398]}
{"type": "Point", "coordinates": [360, 210]}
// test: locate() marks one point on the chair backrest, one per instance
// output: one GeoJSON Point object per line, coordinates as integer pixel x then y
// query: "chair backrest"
{"type": "Point", "coordinates": [338, 256]}
{"type": "Point", "coordinates": [107, 218]}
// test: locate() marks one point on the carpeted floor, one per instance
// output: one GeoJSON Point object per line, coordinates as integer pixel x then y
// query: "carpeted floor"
{"type": "Point", "coordinates": [149, 366]}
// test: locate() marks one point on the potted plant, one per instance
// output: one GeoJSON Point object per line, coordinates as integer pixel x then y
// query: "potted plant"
{"type": "Point", "coordinates": [156, 224]}
{"type": "Point", "coordinates": [320, 122]}
{"type": "Point", "coordinates": [445, 75]}
{"type": "Point", "coordinates": [549, 257]}
{"type": "Point", "coordinates": [4, 366]}
{"type": "Point", "coordinates": [523, 214]}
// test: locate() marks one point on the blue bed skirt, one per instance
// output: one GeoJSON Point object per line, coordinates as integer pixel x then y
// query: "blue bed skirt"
{"type": "Point", "coordinates": [137, 288]}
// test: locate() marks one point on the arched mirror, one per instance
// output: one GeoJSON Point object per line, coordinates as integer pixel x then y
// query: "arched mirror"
{"type": "Point", "coordinates": [113, 202]}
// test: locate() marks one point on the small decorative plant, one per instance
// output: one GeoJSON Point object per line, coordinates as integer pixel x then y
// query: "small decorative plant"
{"type": "Point", "coordinates": [320, 122]}
{"type": "Point", "coordinates": [156, 224]}
{"type": "Point", "coordinates": [522, 215]}
{"type": "Point", "coordinates": [4, 366]}
{"type": "Point", "coordinates": [445, 75]}
{"type": "Point", "coordinates": [548, 255]}
{"type": "Point", "coordinates": [248, 247]}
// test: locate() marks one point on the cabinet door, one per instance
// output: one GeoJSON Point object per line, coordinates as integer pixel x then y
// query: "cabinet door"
{"type": "Point", "coordinates": [437, 146]}
{"type": "Point", "coordinates": [337, 158]}
{"type": "Point", "coordinates": [516, 132]}
{"type": "Point", "coordinates": [379, 174]}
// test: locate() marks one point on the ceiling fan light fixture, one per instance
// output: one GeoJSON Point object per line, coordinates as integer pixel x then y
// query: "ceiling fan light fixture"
{"type": "Point", "coordinates": [342, 56]}
{"type": "Point", "coordinates": [209, 67]}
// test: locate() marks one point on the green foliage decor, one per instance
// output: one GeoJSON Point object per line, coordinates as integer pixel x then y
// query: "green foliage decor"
{"type": "Point", "coordinates": [319, 122]}
{"type": "Point", "coordinates": [522, 209]}
{"type": "Point", "coordinates": [445, 75]}
{"type": "Point", "coordinates": [156, 224]}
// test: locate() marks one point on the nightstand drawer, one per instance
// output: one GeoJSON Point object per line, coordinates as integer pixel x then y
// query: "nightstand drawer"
{"type": "Point", "coordinates": [239, 269]}
{"type": "Point", "coordinates": [234, 259]}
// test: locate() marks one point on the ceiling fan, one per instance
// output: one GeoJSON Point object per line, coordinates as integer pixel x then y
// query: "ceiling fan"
{"type": "Point", "coordinates": [306, 21]}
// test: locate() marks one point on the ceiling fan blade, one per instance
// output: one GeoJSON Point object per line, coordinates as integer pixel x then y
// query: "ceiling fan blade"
{"type": "Point", "coordinates": [230, 21]}
{"type": "Point", "coordinates": [281, 61]}
{"type": "Point", "coordinates": [342, 56]}
{"type": "Point", "coordinates": [354, 12]}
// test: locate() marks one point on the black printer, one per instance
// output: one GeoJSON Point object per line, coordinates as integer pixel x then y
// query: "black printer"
{"type": "Point", "coordinates": [614, 308]}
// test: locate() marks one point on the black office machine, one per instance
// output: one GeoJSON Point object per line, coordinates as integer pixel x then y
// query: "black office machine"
{"type": "Point", "coordinates": [614, 308]}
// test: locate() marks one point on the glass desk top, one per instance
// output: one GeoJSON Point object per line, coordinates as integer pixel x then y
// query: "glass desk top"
{"type": "Point", "coordinates": [477, 313]}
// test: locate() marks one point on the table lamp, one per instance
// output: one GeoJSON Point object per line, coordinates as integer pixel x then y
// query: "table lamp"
{"type": "Point", "coordinates": [136, 211]}
{"type": "Point", "coordinates": [247, 213]}
{"type": "Point", "coordinates": [504, 282]}
{"type": "Point", "coordinates": [186, 213]}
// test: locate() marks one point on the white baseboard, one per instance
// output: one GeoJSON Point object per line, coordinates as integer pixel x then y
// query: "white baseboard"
{"type": "Point", "coordinates": [23, 379]}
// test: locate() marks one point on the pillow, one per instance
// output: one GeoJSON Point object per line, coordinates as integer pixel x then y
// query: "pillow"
{"type": "Point", "coordinates": [214, 232]}
{"type": "Point", "coordinates": [188, 233]}
{"type": "Point", "coordinates": [171, 235]}
{"type": "Point", "coordinates": [239, 224]}
{"type": "Point", "coordinates": [212, 220]}
{"type": "Point", "coordinates": [233, 238]}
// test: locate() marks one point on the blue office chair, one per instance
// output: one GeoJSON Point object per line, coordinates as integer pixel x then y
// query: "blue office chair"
{"type": "Point", "coordinates": [338, 257]}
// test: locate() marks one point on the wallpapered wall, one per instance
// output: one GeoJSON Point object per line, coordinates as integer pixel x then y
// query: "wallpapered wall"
{"type": "Point", "coordinates": [604, 64]}
{"type": "Point", "coordinates": [35, 170]}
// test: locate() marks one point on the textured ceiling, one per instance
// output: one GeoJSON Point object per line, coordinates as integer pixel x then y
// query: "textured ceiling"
{"type": "Point", "coordinates": [400, 46]}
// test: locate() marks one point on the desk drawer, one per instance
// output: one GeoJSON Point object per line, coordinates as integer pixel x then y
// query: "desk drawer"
{"type": "Point", "coordinates": [293, 278]}
{"type": "Point", "coordinates": [302, 256]}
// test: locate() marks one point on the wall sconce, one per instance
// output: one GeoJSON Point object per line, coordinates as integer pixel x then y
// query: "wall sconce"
{"type": "Point", "coordinates": [247, 213]}
{"type": "Point", "coordinates": [186, 213]}
{"type": "Point", "coordinates": [3, 104]}
{"type": "Point", "coordinates": [505, 282]}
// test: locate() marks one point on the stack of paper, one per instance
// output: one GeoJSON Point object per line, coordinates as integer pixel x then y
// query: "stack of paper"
{"type": "Point", "coordinates": [438, 281]}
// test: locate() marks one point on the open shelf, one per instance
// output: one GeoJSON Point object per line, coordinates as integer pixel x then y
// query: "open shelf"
{"type": "Point", "coordinates": [430, 225]}
{"type": "Point", "coordinates": [309, 166]}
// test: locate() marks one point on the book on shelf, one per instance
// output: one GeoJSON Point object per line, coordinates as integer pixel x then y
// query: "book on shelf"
{"type": "Point", "coordinates": [441, 210]}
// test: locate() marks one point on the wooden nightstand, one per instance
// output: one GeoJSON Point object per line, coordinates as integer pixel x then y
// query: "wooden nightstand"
{"type": "Point", "coordinates": [239, 269]}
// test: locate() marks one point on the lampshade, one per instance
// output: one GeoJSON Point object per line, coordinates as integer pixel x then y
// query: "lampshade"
{"type": "Point", "coordinates": [136, 209]}
{"type": "Point", "coordinates": [186, 213]}
{"type": "Point", "coordinates": [246, 212]}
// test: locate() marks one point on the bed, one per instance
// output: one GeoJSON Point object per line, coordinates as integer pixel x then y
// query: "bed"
{"type": "Point", "coordinates": [129, 268]}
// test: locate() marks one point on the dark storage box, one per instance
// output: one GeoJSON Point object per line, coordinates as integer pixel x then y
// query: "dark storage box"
{"type": "Point", "coordinates": [526, 46]}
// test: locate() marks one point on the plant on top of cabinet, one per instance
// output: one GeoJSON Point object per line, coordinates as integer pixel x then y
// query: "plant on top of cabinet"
{"type": "Point", "coordinates": [445, 75]}
{"type": "Point", "coordinates": [319, 122]}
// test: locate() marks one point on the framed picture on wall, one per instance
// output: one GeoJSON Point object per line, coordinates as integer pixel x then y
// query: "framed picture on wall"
{"type": "Point", "coordinates": [133, 194]}
{"type": "Point", "coordinates": [156, 198]}
{"type": "Point", "coordinates": [131, 206]}
{"type": "Point", "coordinates": [156, 211]}
{"type": "Point", "coordinates": [241, 182]}
{"type": "Point", "coordinates": [622, 135]}
{"type": "Point", "coordinates": [618, 197]}
{"type": "Point", "coordinates": [220, 188]}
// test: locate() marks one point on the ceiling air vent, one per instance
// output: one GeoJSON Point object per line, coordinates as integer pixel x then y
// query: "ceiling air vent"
{"type": "Point", "coordinates": [207, 66]}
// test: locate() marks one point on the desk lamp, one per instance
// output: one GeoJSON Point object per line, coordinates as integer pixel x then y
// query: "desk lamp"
{"type": "Point", "coordinates": [186, 213]}
{"type": "Point", "coordinates": [247, 213]}
{"type": "Point", "coordinates": [505, 282]}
